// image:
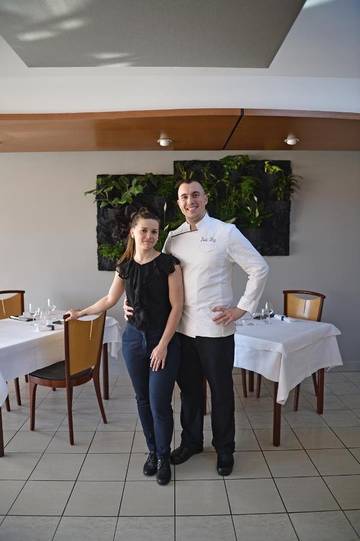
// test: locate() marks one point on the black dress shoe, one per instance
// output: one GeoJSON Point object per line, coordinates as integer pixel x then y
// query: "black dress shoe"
{"type": "Point", "coordinates": [163, 475]}
{"type": "Point", "coordinates": [225, 463]}
{"type": "Point", "coordinates": [182, 454]}
{"type": "Point", "coordinates": [150, 466]}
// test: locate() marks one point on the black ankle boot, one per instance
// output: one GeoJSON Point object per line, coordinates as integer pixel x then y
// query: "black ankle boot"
{"type": "Point", "coordinates": [163, 475]}
{"type": "Point", "coordinates": [150, 466]}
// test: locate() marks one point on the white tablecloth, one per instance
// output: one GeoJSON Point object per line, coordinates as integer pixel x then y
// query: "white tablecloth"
{"type": "Point", "coordinates": [286, 352]}
{"type": "Point", "coordinates": [23, 349]}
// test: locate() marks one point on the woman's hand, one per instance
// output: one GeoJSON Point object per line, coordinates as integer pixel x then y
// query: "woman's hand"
{"type": "Point", "coordinates": [73, 314]}
{"type": "Point", "coordinates": [158, 358]}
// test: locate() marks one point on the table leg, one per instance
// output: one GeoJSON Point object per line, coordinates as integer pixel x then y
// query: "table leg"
{"type": "Point", "coordinates": [320, 390]}
{"type": "Point", "coordinates": [105, 368]}
{"type": "Point", "coordinates": [251, 381]}
{"type": "Point", "coordinates": [1, 436]}
{"type": "Point", "coordinates": [276, 418]}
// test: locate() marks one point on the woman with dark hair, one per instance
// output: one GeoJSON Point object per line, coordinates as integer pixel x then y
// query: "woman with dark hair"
{"type": "Point", "coordinates": [154, 288]}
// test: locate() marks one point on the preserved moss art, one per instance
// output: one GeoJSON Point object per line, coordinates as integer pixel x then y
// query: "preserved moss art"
{"type": "Point", "coordinates": [255, 195]}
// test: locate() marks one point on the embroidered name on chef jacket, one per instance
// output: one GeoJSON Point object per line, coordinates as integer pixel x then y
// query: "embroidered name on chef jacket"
{"type": "Point", "coordinates": [208, 240]}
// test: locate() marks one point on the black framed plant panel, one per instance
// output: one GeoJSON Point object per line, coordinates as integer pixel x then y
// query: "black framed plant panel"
{"type": "Point", "coordinates": [253, 194]}
{"type": "Point", "coordinates": [234, 182]}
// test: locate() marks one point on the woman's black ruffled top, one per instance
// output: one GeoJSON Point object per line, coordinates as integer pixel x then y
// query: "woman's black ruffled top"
{"type": "Point", "coordinates": [147, 290]}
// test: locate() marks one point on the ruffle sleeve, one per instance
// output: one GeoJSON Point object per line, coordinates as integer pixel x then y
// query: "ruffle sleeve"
{"type": "Point", "coordinates": [123, 269]}
{"type": "Point", "coordinates": [166, 263]}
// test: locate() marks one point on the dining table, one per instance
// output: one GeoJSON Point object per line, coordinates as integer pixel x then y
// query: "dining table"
{"type": "Point", "coordinates": [24, 348]}
{"type": "Point", "coordinates": [287, 351]}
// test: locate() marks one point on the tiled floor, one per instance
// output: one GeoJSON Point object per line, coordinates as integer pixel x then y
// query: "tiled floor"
{"type": "Point", "coordinates": [308, 489]}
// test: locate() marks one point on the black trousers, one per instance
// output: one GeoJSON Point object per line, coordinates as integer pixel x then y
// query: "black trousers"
{"type": "Point", "coordinates": [212, 358]}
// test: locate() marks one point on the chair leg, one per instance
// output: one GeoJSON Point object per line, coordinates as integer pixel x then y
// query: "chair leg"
{"type": "Point", "coordinates": [296, 397]}
{"type": "Point", "coordinates": [243, 379]}
{"type": "Point", "coordinates": [105, 367]}
{"type": "Point", "coordinates": [7, 403]}
{"type": "Point", "coordinates": [69, 397]}
{"type": "Point", "coordinates": [251, 381]}
{"type": "Point", "coordinates": [320, 394]}
{"type": "Point", "coordinates": [276, 418]}
{"type": "Point", "coordinates": [32, 393]}
{"type": "Point", "coordinates": [54, 389]}
{"type": "Point", "coordinates": [258, 385]}
{"type": "Point", "coordinates": [17, 391]}
{"type": "Point", "coordinates": [315, 382]}
{"type": "Point", "coordinates": [98, 396]}
{"type": "Point", "coordinates": [1, 436]}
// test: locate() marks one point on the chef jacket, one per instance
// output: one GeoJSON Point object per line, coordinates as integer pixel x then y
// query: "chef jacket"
{"type": "Point", "coordinates": [207, 256]}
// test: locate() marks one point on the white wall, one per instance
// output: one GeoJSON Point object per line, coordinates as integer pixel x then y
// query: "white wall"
{"type": "Point", "coordinates": [48, 228]}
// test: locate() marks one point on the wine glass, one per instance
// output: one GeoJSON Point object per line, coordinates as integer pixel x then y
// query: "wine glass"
{"type": "Point", "coordinates": [267, 312]}
{"type": "Point", "coordinates": [36, 316]}
{"type": "Point", "coordinates": [51, 308]}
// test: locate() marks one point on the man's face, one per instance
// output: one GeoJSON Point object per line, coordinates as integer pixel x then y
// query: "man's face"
{"type": "Point", "coordinates": [192, 201]}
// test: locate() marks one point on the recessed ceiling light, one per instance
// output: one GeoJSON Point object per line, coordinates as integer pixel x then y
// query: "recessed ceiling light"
{"type": "Point", "coordinates": [291, 139]}
{"type": "Point", "coordinates": [164, 141]}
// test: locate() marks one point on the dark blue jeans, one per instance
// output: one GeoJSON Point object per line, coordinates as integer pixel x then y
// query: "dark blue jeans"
{"type": "Point", "coordinates": [153, 389]}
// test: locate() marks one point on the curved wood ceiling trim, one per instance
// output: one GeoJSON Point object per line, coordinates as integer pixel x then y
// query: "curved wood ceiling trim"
{"type": "Point", "coordinates": [190, 129]}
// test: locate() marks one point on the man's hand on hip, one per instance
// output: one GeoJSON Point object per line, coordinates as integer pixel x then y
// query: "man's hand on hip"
{"type": "Point", "coordinates": [227, 315]}
{"type": "Point", "coordinates": [128, 310]}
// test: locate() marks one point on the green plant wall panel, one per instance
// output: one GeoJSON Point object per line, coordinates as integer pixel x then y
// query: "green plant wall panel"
{"type": "Point", "coordinates": [253, 194]}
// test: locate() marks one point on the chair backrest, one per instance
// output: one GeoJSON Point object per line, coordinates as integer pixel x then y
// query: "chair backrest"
{"type": "Point", "coordinates": [11, 302]}
{"type": "Point", "coordinates": [83, 342]}
{"type": "Point", "coordinates": [303, 304]}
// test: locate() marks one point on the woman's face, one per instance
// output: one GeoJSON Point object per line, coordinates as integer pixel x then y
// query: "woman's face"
{"type": "Point", "coordinates": [145, 233]}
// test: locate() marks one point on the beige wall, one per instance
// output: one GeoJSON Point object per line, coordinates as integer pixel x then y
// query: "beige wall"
{"type": "Point", "coordinates": [48, 228]}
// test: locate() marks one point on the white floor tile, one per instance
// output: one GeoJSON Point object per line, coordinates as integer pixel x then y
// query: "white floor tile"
{"type": "Point", "coordinates": [86, 529]}
{"type": "Point", "coordinates": [201, 498]}
{"type": "Point", "coordinates": [264, 528]}
{"type": "Point", "coordinates": [58, 467]}
{"type": "Point", "coordinates": [318, 438]}
{"type": "Point", "coordinates": [296, 491]}
{"type": "Point", "coordinates": [104, 467]}
{"type": "Point", "coordinates": [290, 464]}
{"type": "Point", "coordinates": [42, 498]}
{"type": "Point", "coordinates": [145, 529]}
{"type": "Point", "coordinates": [28, 528]}
{"type": "Point", "coordinates": [253, 496]}
{"type": "Point", "coordinates": [142, 498]}
{"type": "Point", "coordinates": [334, 462]}
{"type": "Point", "coordinates": [324, 526]}
{"type": "Point", "coordinates": [346, 489]}
{"type": "Point", "coordinates": [209, 528]}
{"type": "Point", "coordinates": [96, 499]}
{"type": "Point", "coordinates": [9, 490]}
{"type": "Point", "coordinates": [18, 465]}
{"type": "Point", "coordinates": [111, 442]}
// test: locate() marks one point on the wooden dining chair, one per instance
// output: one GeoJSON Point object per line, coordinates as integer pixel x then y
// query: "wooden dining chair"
{"type": "Point", "coordinates": [300, 304]}
{"type": "Point", "coordinates": [83, 343]}
{"type": "Point", "coordinates": [12, 305]}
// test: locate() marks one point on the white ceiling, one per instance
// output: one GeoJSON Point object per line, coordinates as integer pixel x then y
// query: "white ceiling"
{"type": "Point", "coordinates": [317, 66]}
{"type": "Point", "coordinates": [163, 33]}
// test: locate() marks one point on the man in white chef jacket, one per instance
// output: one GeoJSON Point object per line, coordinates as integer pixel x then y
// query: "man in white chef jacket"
{"type": "Point", "coordinates": [207, 249]}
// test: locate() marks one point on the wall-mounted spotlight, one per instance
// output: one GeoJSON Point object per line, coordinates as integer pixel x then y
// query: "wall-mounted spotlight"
{"type": "Point", "coordinates": [291, 139]}
{"type": "Point", "coordinates": [164, 140]}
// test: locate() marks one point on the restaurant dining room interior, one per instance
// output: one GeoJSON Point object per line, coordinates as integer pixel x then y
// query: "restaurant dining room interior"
{"type": "Point", "coordinates": [122, 99]}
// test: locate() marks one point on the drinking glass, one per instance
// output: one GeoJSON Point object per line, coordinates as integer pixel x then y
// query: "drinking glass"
{"type": "Point", "coordinates": [267, 312]}
{"type": "Point", "coordinates": [36, 317]}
